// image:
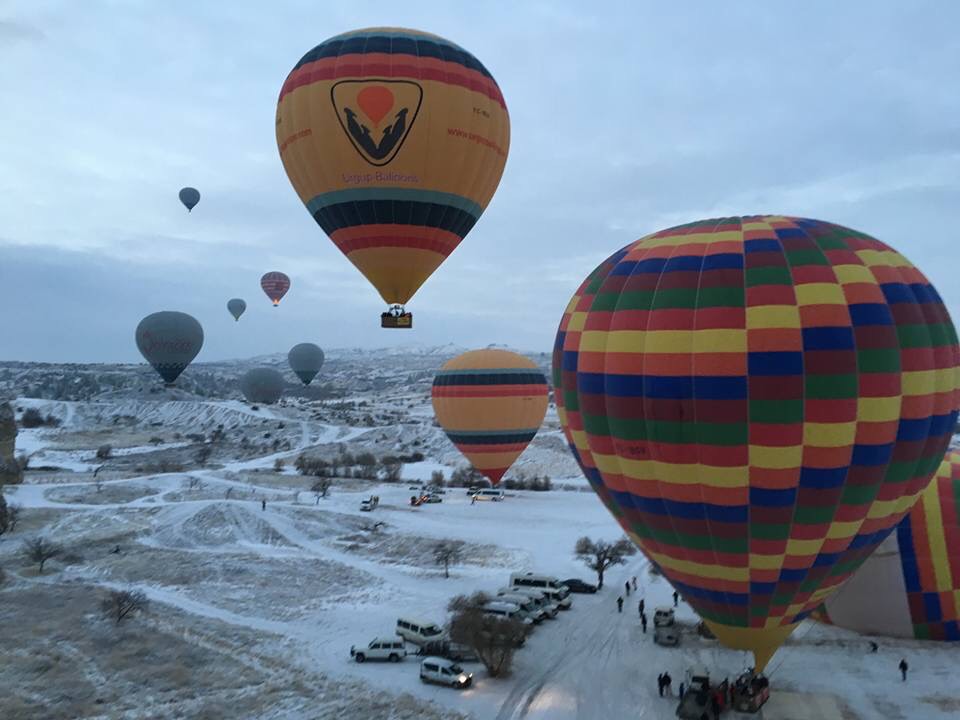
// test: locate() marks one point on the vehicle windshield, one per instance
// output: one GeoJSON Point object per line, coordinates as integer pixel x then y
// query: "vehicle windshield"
{"type": "Point", "coordinates": [432, 630]}
{"type": "Point", "coordinates": [456, 669]}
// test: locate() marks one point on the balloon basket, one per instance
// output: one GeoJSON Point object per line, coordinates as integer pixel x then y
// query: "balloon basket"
{"type": "Point", "coordinates": [404, 320]}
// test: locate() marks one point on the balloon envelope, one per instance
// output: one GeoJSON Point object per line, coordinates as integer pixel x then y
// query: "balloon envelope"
{"type": "Point", "coordinates": [305, 360]}
{"type": "Point", "coordinates": [395, 140]}
{"type": "Point", "coordinates": [262, 385]}
{"type": "Point", "coordinates": [910, 586]}
{"type": "Point", "coordinates": [758, 401]}
{"type": "Point", "coordinates": [275, 285]}
{"type": "Point", "coordinates": [189, 197]}
{"type": "Point", "coordinates": [169, 341]}
{"type": "Point", "coordinates": [490, 403]}
{"type": "Point", "coordinates": [236, 307]}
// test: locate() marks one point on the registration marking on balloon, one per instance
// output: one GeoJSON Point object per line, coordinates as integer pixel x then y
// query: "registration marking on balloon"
{"type": "Point", "coordinates": [377, 115]}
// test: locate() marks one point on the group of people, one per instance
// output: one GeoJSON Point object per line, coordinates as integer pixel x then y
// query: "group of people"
{"type": "Point", "coordinates": [664, 682]}
{"type": "Point", "coordinates": [627, 586]}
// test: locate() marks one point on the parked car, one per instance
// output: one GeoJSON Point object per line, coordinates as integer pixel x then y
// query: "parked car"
{"type": "Point", "coordinates": [392, 649]}
{"type": "Point", "coordinates": [579, 586]}
{"type": "Point", "coordinates": [508, 610]}
{"type": "Point", "coordinates": [556, 591]}
{"type": "Point", "coordinates": [449, 650]}
{"type": "Point", "coordinates": [663, 617]}
{"type": "Point", "coordinates": [666, 635]}
{"type": "Point", "coordinates": [366, 505]}
{"type": "Point", "coordinates": [419, 632]}
{"type": "Point", "coordinates": [431, 498]}
{"type": "Point", "coordinates": [528, 606]}
{"type": "Point", "coordinates": [445, 672]}
{"type": "Point", "coordinates": [538, 596]}
{"type": "Point", "coordinates": [436, 490]}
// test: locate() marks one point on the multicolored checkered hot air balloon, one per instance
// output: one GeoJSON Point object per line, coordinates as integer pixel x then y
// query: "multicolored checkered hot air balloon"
{"type": "Point", "coordinates": [395, 140]}
{"type": "Point", "coordinates": [491, 404]}
{"type": "Point", "coordinates": [910, 587]}
{"type": "Point", "coordinates": [758, 401]}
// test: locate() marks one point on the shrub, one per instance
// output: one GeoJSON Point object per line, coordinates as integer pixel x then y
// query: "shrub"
{"type": "Point", "coordinates": [104, 452]}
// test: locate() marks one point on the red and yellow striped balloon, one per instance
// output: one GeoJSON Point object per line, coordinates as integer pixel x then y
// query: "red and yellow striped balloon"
{"type": "Point", "coordinates": [758, 401]}
{"type": "Point", "coordinates": [491, 404]}
{"type": "Point", "coordinates": [395, 140]}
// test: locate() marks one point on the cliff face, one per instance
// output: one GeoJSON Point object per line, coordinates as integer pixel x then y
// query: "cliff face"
{"type": "Point", "coordinates": [9, 469]}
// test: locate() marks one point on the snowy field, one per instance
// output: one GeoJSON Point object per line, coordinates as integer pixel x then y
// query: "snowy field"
{"type": "Point", "coordinates": [253, 611]}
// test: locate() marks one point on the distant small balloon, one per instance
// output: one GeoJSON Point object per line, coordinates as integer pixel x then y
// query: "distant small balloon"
{"type": "Point", "coordinates": [237, 307]}
{"type": "Point", "coordinates": [262, 385]}
{"type": "Point", "coordinates": [189, 197]}
{"type": "Point", "coordinates": [169, 341]}
{"type": "Point", "coordinates": [305, 360]}
{"type": "Point", "coordinates": [275, 285]}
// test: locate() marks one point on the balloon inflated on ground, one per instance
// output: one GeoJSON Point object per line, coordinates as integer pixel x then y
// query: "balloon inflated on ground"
{"type": "Point", "coordinates": [189, 197]}
{"type": "Point", "coordinates": [262, 385]}
{"type": "Point", "coordinates": [490, 403]}
{"type": "Point", "coordinates": [910, 587]}
{"type": "Point", "coordinates": [759, 401]}
{"type": "Point", "coordinates": [395, 140]}
{"type": "Point", "coordinates": [275, 285]}
{"type": "Point", "coordinates": [305, 360]}
{"type": "Point", "coordinates": [236, 307]}
{"type": "Point", "coordinates": [169, 341]}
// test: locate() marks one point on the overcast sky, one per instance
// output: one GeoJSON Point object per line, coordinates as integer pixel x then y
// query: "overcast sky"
{"type": "Point", "coordinates": [626, 118]}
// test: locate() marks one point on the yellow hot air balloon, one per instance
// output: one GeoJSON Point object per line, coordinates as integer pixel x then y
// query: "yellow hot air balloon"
{"type": "Point", "coordinates": [491, 404]}
{"type": "Point", "coordinates": [395, 140]}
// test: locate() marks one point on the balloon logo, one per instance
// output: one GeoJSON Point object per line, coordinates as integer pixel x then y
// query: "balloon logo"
{"type": "Point", "coordinates": [395, 194]}
{"type": "Point", "coordinates": [490, 403]}
{"type": "Point", "coordinates": [375, 101]}
{"type": "Point", "coordinates": [275, 286]}
{"type": "Point", "coordinates": [758, 401]}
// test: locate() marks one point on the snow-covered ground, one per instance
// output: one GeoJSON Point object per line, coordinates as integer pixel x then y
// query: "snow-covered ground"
{"type": "Point", "coordinates": [285, 591]}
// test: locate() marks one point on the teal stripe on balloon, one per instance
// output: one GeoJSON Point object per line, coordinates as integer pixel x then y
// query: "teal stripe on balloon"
{"type": "Point", "coordinates": [394, 193]}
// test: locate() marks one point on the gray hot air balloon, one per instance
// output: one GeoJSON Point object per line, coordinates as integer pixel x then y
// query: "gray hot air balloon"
{"type": "Point", "coordinates": [169, 341]}
{"type": "Point", "coordinates": [237, 307]}
{"type": "Point", "coordinates": [262, 385]}
{"type": "Point", "coordinates": [189, 197]}
{"type": "Point", "coordinates": [305, 360]}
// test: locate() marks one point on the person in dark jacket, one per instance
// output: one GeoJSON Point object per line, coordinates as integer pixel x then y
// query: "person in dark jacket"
{"type": "Point", "coordinates": [643, 622]}
{"type": "Point", "coordinates": [903, 668]}
{"type": "Point", "coordinates": [715, 706]}
{"type": "Point", "coordinates": [263, 504]}
{"type": "Point", "coordinates": [660, 684]}
{"type": "Point", "coordinates": [619, 604]}
{"type": "Point", "coordinates": [666, 683]}
{"type": "Point", "coordinates": [626, 585]}
{"type": "Point", "coordinates": [680, 689]}
{"type": "Point", "coordinates": [676, 597]}
{"type": "Point", "coordinates": [643, 605]}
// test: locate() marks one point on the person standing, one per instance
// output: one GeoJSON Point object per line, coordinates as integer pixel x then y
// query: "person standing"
{"type": "Point", "coordinates": [643, 622]}
{"type": "Point", "coordinates": [660, 684]}
{"type": "Point", "coordinates": [666, 683]}
{"type": "Point", "coordinates": [626, 586]}
{"type": "Point", "coordinates": [634, 583]}
{"type": "Point", "coordinates": [680, 689]}
{"type": "Point", "coordinates": [263, 504]}
{"type": "Point", "coordinates": [643, 605]}
{"type": "Point", "coordinates": [620, 604]}
{"type": "Point", "coordinates": [903, 668]}
{"type": "Point", "coordinates": [676, 597]}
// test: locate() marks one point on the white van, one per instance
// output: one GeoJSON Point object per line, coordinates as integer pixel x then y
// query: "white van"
{"type": "Point", "coordinates": [528, 606]}
{"type": "Point", "coordinates": [508, 610]}
{"type": "Point", "coordinates": [419, 632]}
{"type": "Point", "coordinates": [443, 671]}
{"type": "Point", "coordinates": [553, 588]}
{"type": "Point", "coordinates": [538, 596]}
{"type": "Point", "coordinates": [489, 494]}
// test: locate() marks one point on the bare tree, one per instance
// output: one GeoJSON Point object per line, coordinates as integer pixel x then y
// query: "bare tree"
{"type": "Point", "coordinates": [194, 483]}
{"type": "Point", "coordinates": [278, 465]}
{"type": "Point", "coordinates": [121, 603]}
{"type": "Point", "coordinates": [13, 517]}
{"type": "Point", "coordinates": [436, 478]}
{"type": "Point", "coordinates": [447, 553]}
{"type": "Point", "coordinates": [391, 472]}
{"type": "Point", "coordinates": [203, 454]}
{"type": "Point", "coordinates": [320, 488]}
{"type": "Point", "coordinates": [599, 555]}
{"type": "Point", "coordinates": [492, 638]}
{"type": "Point", "coordinates": [39, 550]}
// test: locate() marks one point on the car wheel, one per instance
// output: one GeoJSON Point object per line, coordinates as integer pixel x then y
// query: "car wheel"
{"type": "Point", "coordinates": [361, 657]}
{"type": "Point", "coordinates": [394, 657]}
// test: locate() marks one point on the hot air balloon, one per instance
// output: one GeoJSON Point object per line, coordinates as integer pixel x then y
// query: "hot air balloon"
{"type": "Point", "coordinates": [275, 285]}
{"type": "Point", "coordinates": [490, 403]}
{"type": "Point", "coordinates": [189, 197]}
{"type": "Point", "coordinates": [910, 586]}
{"type": "Point", "coordinates": [262, 385]}
{"type": "Point", "coordinates": [395, 140]}
{"type": "Point", "coordinates": [236, 307]}
{"type": "Point", "coordinates": [758, 401]}
{"type": "Point", "coordinates": [305, 360]}
{"type": "Point", "coordinates": [169, 341]}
